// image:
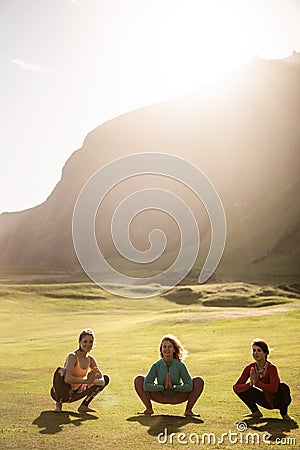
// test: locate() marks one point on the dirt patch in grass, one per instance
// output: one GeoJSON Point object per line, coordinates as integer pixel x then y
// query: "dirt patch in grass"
{"type": "Point", "coordinates": [209, 314]}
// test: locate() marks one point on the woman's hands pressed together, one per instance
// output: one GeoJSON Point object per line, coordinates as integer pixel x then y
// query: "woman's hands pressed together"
{"type": "Point", "coordinates": [168, 383]}
{"type": "Point", "coordinates": [253, 376]}
{"type": "Point", "coordinates": [95, 377]}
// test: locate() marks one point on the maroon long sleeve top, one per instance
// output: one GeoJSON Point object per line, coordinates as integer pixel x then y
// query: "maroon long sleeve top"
{"type": "Point", "coordinates": [268, 384]}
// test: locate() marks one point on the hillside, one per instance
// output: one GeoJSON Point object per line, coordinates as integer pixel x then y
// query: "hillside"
{"type": "Point", "coordinates": [242, 133]}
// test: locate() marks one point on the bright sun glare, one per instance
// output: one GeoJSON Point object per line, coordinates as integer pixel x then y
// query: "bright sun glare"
{"type": "Point", "coordinates": [200, 43]}
{"type": "Point", "coordinates": [107, 58]}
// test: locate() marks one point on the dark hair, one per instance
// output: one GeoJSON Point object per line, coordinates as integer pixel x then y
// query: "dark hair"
{"type": "Point", "coordinates": [86, 332]}
{"type": "Point", "coordinates": [261, 344]}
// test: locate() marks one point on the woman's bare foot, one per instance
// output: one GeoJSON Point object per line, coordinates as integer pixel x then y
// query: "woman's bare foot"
{"type": "Point", "coordinates": [289, 418]}
{"type": "Point", "coordinates": [58, 407]}
{"type": "Point", "coordinates": [190, 413]}
{"type": "Point", "coordinates": [84, 409]}
{"type": "Point", "coordinates": [254, 415]}
{"type": "Point", "coordinates": [147, 412]}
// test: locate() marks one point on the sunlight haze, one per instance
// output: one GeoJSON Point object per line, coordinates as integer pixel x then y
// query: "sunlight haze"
{"type": "Point", "coordinates": [69, 65]}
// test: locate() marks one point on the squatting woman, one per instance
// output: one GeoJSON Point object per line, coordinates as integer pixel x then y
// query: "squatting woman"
{"type": "Point", "coordinates": [260, 385]}
{"type": "Point", "coordinates": [168, 380]}
{"type": "Point", "coordinates": [80, 378]}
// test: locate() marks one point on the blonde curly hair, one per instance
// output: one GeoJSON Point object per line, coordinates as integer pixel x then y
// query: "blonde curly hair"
{"type": "Point", "coordinates": [180, 352]}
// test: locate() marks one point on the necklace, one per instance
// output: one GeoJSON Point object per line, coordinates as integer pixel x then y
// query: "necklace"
{"type": "Point", "coordinates": [261, 371]}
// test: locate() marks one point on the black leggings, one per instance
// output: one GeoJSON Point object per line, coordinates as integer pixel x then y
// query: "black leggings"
{"type": "Point", "coordinates": [253, 397]}
{"type": "Point", "coordinates": [63, 392]}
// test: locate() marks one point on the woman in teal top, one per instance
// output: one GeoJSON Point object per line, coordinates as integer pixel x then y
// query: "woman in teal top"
{"type": "Point", "coordinates": [168, 380]}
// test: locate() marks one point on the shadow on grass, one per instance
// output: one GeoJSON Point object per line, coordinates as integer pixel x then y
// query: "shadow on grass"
{"type": "Point", "coordinates": [51, 422]}
{"type": "Point", "coordinates": [278, 428]}
{"type": "Point", "coordinates": [157, 424]}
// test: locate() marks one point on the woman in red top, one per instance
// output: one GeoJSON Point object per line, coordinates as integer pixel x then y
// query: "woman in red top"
{"type": "Point", "coordinates": [259, 384]}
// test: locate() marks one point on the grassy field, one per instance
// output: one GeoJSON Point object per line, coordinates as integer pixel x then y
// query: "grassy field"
{"type": "Point", "coordinates": [40, 324]}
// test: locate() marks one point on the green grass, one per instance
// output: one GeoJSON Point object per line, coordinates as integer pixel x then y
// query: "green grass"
{"type": "Point", "coordinates": [40, 325]}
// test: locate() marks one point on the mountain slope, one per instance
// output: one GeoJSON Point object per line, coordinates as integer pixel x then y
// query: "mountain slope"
{"type": "Point", "coordinates": [243, 134]}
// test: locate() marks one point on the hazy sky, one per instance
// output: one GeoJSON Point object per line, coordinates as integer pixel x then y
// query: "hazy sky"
{"type": "Point", "coordinates": [69, 65]}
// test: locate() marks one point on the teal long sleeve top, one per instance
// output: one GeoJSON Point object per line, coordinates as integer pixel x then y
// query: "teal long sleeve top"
{"type": "Point", "coordinates": [179, 374]}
